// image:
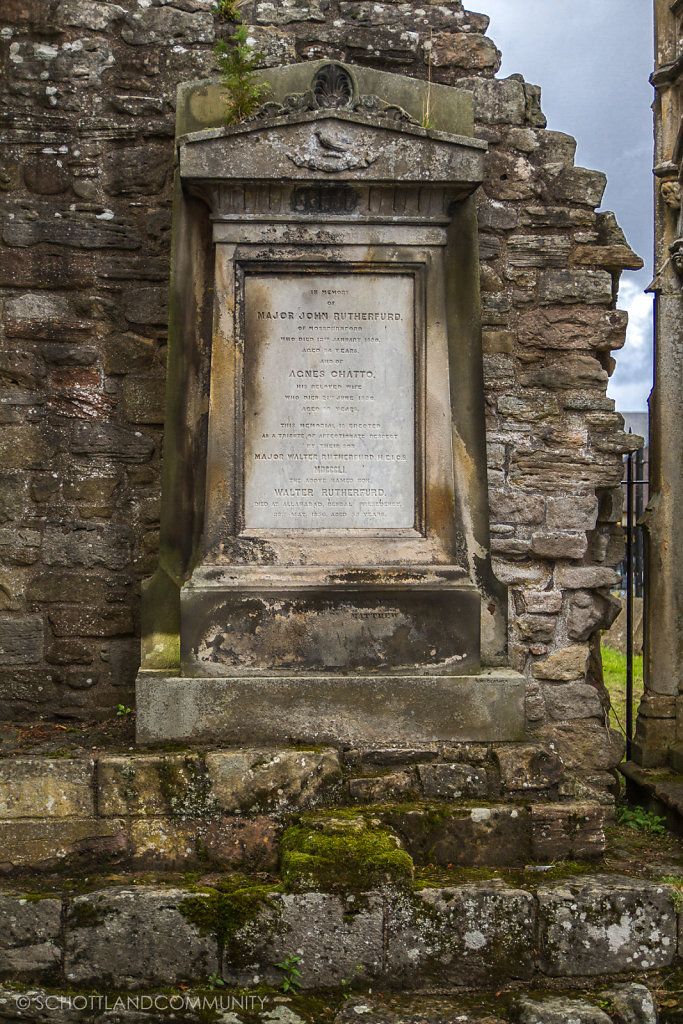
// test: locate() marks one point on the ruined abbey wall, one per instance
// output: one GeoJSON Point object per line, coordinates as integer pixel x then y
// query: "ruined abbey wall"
{"type": "Point", "coordinates": [86, 167]}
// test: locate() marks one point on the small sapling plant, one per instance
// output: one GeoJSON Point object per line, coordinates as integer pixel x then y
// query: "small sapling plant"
{"type": "Point", "coordinates": [238, 62]}
{"type": "Point", "coordinates": [123, 712]}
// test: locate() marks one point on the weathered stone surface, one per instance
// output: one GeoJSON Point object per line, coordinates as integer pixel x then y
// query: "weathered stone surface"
{"type": "Point", "coordinates": [579, 185]}
{"type": "Point", "coordinates": [565, 664]}
{"type": "Point", "coordinates": [34, 786]}
{"type": "Point", "coordinates": [542, 601]}
{"type": "Point", "coordinates": [88, 545]}
{"type": "Point", "coordinates": [384, 787]}
{"type": "Point", "coordinates": [452, 781]}
{"type": "Point", "coordinates": [44, 843]}
{"type": "Point", "coordinates": [585, 745]}
{"type": "Point", "coordinates": [30, 931]}
{"type": "Point", "coordinates": [143, 399]}
{"type": "Point", "coordinates": [591, 286]}
{"type": "Point", "coordinates": [125, 353]}
{"type": "Point", "coordinates": [470, 931]}
{"type": "Point", "coordinates": [249, 844]}
{"type": "Point", "coordinates": [260, 779]}
{"type": "Point", "coordinates": [331, 934]}
{"type": "Point", "coordinates": [152, 785]}
{"type": "Point", "coordinates": [528, 767]}
{"type": "Point", "coordinates": [132, 937]}
{"type": "Point", "coordinates": [562, 328]}
{"type": "Point", "coordinates": [560, 1010]}
{"type": "Point", "coordinates": [112, 441]}
{"type": "Point", "coordinates": [564, 701]}
{"type": "Point", "coordinates": [516, 506]}
{"type": "Point", "coordinates": [589, 611]}
{"type": "Point", "coordinates": [576, 577]}
{"type": "Point", "coordinates": [548, 544]}
{"type": "Point", "coordinates": [157, 25]}
{"type": "Point", "coordinates": [500, 103]}
{"type": "Point", "coordinates": [21, 640]}
{"type": "Point", "coordinates": [610, 925]}
{"type": "Point", "coordinates": [633, 1003]}
{"type": "Point", "coordinates": [493, 836]}
{"type": "Point", "coordinates": [567, 832]}
{"type": "Point", "coordinates": [466, 50]}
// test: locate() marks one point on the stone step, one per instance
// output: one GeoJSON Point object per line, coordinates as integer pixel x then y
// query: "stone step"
{"type": "Point", "coordinates": [625, 1002]}
{"type": "Point", "coordinates": [658, 790]}
{"type": "Point", "coordinates": [459, 936]}
{"type": "Point", "coordinates": [229, 808]}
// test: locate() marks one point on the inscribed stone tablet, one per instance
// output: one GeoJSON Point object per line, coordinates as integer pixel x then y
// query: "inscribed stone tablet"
{"type": "Point", "coordinates": [329, 401]}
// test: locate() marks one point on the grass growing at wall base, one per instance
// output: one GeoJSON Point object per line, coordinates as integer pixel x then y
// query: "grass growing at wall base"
{"type": "Point", "coordinates": [614, 672]}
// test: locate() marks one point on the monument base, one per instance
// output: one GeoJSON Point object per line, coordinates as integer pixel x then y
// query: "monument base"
{"type": "Point", "coordinates": [341, 711]}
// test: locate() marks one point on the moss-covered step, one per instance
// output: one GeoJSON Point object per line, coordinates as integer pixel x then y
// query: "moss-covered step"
{"type": "Point", "coordinates": [457, 935]}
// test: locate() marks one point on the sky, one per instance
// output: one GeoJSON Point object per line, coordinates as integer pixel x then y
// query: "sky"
{"type": "Point", "coordinates": [592, 59]}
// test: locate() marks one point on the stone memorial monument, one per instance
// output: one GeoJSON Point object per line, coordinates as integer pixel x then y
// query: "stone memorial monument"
{"type": "Point", "coordinates": [324, 572]}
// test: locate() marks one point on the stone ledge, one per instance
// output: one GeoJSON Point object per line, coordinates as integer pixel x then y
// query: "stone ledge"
{"type": "Point", "coordinates": [659, 791]}
{"type": "Point", "coordinates": [406, 710]}
{"type": "Point", "coordinates": [457, 936]}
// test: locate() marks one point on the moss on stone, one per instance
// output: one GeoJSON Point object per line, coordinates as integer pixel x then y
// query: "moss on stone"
{"type": "Point", "coordinates": [345, 852]}
{"type": "Point", "coordinates": [226, 911]}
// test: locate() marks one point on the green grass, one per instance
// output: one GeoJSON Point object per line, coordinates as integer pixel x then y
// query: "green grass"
{"type": "Point", "coordinates": [614, 671]}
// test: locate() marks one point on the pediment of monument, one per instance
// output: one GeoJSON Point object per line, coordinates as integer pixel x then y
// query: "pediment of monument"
{"type": "Point", "coordinates": [331, 135]}
{"type": "Point", "coordinates": [330, 144]}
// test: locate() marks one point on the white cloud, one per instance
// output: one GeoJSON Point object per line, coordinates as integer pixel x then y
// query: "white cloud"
{"type": "Point", "coordinates": [631, 382]}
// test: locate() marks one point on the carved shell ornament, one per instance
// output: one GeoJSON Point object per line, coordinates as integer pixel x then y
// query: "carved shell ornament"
{"type": "Point", "coordinates": [330, 150]}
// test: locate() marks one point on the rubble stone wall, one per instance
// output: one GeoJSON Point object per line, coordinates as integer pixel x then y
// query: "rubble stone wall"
{"type": "Point", "coordinates": [87, 121]}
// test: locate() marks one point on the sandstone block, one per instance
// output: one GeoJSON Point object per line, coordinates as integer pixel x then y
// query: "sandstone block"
{"type": "Point", "coordinates": [453, 781]}
{"type": "Point", "coordinates": [180, 843]}
{"type": "Point", "coordinates": [567, 831]}
{"type": "Point", "coordinates": [21, 640]}
{"type": "Point", "coordinates": [556, 544]}
{"type": "Point", "coordinates": [487, 836]}
{"type": "Point", "coordinates": [331, 934]}
{"type": "Point", "coordinates": [31, 787]}
{"type": "Point", "coordinates": [565, 664]}
{"type": "Point", "coordinates": [89, 545]}
{"type": "Point", "coordinates": [92, 14]}
{"type": "Point", "coordinates": [542, 602]}
{"type": "Point", "coordinates": [135, 937]}
{"type": "Point", "coordinates": [559, 1010]}
{"type": "Point", "coordinates": [137, 169]}
{"type": "Point", "coordinates": [516, 506]}
{"type": "Point", "coordinates": [79, 231]}
{"type": "Point", "coordinates": [250, 780]}
{"type": "Point", "coordinates": [610, 925]}
{"type": "Point", "coordinates": [144, 785]}
{"type": "Point", "coordinates": [24, 447]}
{"type": "Point", "coordinates": [633, 1003]}
{"type": "Point", "coordinates": [527, 767]}
{"type": "Point", "coordinates": [268, 12]}
{"type": "Point", "coordinates": [579, 185]}
{"type": "Point", "coordinates": [585, 745]}
{"type": "Point", "coordinates": [161, 25]}
{"type": "Point", "coordinates": [473, 931]}
{"type": "Point", "coordinates": [124, 353]}
{"type": "Point", "coordinates": [384, 787]}
{"type": "Point", "coordinates": [589, 611]}
{"type": "Point", "coordinates": [577, 577]}
{"type": "Point", "coordinates": [529, 408]}
{"type": "Point", "coordinates": [573, 512]}
{"type": "Point", "coordinates": [467, 50]}
{"type": "Point", "coordinates": [49, 843]}
{"type": "Point", "coordinates": [112, 441]}
{"type": "Point", "coordinates": [143, 399]}
{"type": "Point", "coordinates": [538, 250]}
{"type": "Point", "coordinates": [497, 101]}
{"type": "Point", "coordinates": [82, 620]}
{"type": "Point", "coordinates": [565, 701]}
{"type": "Point", "coordinates": [29, 936]}
{"type": "Point", "coordinates": [591, 286]}
{"type": "Point", "coordinates": [562, 328]}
